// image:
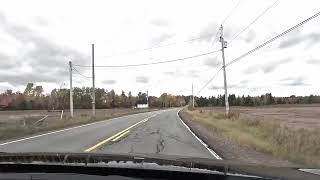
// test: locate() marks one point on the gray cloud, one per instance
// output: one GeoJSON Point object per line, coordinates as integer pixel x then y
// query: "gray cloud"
{"type": "Point", "coordinates": [314, 38]}
{"type": "Point", "coordinates": [6, 63]}
{"type": "Point", "coordinates": [161, 38]}
{"type": "Point", "coordinates": [184, 90]}
{"type": "Point", "coordinates": [290, 42]}
{"type": "Point", "coordinates": [288, 79]}
{"type": "Point", "coordinates": [284, 61]}
{"type": "Point", "coordinates": [142, 79]}
{"type": "Point", "coordinates": [292, 39]}
{"type": "Point", "coordinates": [296, 38]}
{"type": "Point", "coordinates": [40, 21]}
{"type": "Point", "coordinates": [230, 86]}
{"type": "Point", "coordinates": [251, 69]}
{"type": "Point", "coordinates": [228, 32]}
{"type": "Point", "coordinates": [212, 62]}
{"type": "Point", "coordinates": [169, 73]}
{"type": "Point", "coordinates": [294, 81]}
{"type": "Point", "coordinates": [110, 81]}
{"type": "Point", "coordinates": [207, 32]}
{"type": "Point", "coordinates": [49, 61]}
{"type": "Point", "coordinates": [24, 78]}
{"type": "Point", "coordinates": [244, 81]}
{"type": "Point", "coordinates": [254, 89]}
{"type": "Point", "coordinates": [313, 61]}
{"type": "Point", "coordinates": [159, 22]}
{"type": "Point", "coordinates": [267, 68]}
{"type": "Point", "coordinates": [216, 87]}
{"type": "Point", "coordinates": [270, 67]}
{"type": "Point", "coordinates": [251, 35]}
{"type": "Point", "coordinates": [236, 86]}
{"type": "Point", "coordinates": [176, 73]}
{"type": "Point", "coordinates": [193, 73]}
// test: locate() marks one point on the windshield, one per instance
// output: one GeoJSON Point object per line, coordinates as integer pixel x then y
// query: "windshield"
{"type": "Point", "coordinates": [229, 80]}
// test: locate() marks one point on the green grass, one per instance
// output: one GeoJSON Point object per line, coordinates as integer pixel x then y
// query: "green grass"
{"type": "Point", "coordinates": [16, 130]}
{"type": "Point", "coordinates": [301, 146]}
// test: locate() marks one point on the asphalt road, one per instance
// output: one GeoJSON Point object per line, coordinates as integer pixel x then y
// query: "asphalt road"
{"type": "Point", "coordinates": [158, 132]}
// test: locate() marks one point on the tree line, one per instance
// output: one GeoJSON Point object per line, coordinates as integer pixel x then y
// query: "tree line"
{"type": "Point", "coordinates": [266, 99]}
{"type": "Point", "coordinates": [33, 98]}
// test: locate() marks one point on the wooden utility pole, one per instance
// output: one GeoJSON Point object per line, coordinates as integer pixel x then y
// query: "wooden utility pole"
{"type": "Point", "coordinates": [192, 98]}
{"type": "Point", "coordinates": [93, 86]}
{"type": "Point", "coordinates": [224, 45]}
{"type": "Point", "coordinates": [148, 99]}
{"type": "Point", "coordinates": [71, 90]}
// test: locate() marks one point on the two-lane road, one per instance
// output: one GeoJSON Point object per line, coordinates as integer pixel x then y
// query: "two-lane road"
{"type": "Point", "coordinates": [154, 132]}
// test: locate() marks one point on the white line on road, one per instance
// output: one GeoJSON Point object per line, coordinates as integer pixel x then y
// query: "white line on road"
{"type": "Point", "coordinates": [67, 129]}
{"type": "Point", "coordinates": [204, 144]}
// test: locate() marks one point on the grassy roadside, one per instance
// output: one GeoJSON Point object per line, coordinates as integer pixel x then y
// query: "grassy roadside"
{"type": "Point", "coordinates": [18, 130]}
{"type": "Point", "coordinates": [300, 146]}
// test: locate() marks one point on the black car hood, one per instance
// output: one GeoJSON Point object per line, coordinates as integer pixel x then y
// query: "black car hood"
{"type": "Point", "coordinates": [111, 159]}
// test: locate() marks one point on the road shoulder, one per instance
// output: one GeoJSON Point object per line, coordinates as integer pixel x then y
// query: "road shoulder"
{"type": "Point", "coordinates": [227, 149]}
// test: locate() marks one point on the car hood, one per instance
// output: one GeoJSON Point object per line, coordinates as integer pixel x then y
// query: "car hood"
{"type": "Point", "coordinates": [158, 161]}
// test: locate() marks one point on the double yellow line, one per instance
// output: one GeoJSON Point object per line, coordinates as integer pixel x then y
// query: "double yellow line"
{"type": "Point", "coordinates": [118, 135]}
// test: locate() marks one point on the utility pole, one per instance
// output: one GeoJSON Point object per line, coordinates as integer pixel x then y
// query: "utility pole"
{"type": "Point", "coordinates": [224, 45]}
{"type": "Point", "coordinates": [192, 98]}
{"type": "Point", "coordinates": [71, 90]}
{"type": "Point", "coordinates": [148, 99]}
{"type": "Point", "coordinates": [64, 96]}
{"type": "Point", "coordinates": [93, 86]}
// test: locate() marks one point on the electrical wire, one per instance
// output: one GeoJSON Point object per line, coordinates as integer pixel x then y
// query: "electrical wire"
{"type": "Point", "coordinates": [153, 63]}
{"type": "Point", "coordinates": [273, 39]}
{"type": "Point", "coordinates": [211, 79]}
{"type": "Point", "coordinates": [80, 73]}
{"type": "Point", "coordinates": [247, 27]}
{"type": "Point", "coordinates": [216, 37]}
{"type": "Point", "coordinates": [155, 47]}
{"type": "Point", "coordinates": [231, 11]}
{"type": "Point", "coordinates": [170, 44]}
{"type": "Point", "coordinates": [224, 20]}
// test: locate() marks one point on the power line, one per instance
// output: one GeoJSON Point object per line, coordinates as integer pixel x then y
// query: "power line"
{"type": "Point", "coordinates": [155, 47]}
{"type": "Point", "coordinates": [170, 44]}
{"type": "Point", "coordinates": [215, 40]}
{"type": "Point", "coordinates": [210, 80]}
{"type": "Point", "coordinates": [247, 27]}
{"type": "Point", "coordinates": [153, 63]}
{"type": "Point", "coordinates": [216, 37]}
{"type": "Point", "coordinates": [273, 39]}
{"type": "Point", "coordinates": [231, 11]}
{"type": "Point", "coordinates": [80, 73]}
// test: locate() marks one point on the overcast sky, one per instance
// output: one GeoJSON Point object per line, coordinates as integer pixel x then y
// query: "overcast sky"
{"type": "Point", "coordinates": [38, 38]}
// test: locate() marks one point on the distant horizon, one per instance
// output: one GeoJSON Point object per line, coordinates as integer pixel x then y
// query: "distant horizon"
{"type": "Point", "coordinates": [135, 93]}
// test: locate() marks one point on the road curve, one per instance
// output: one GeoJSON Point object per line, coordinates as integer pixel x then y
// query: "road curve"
{"type": "Point", "coordinates": [157, 132]}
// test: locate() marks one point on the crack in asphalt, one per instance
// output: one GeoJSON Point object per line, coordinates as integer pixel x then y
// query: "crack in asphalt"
{"type": "Point", "coordinates": [131, 149]}
{"type": "Point", "coordinates": [159, 141]}
{"type": "Point", "coordinates": [160, 144]}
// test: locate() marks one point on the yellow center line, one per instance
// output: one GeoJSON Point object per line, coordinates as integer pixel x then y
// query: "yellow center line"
{"type": "Point", "coordinates": [118, 134]}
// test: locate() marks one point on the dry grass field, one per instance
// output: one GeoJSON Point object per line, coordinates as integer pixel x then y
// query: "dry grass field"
{"type": "Point", "coordinates": [295, 116]}
{"type": "Point", "coordinates": [290, 132]}
{"type": "Point", "coordinates": [14, 124]}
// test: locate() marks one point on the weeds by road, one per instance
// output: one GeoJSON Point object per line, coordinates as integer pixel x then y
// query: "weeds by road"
{"type": "Point", "coordinates": [27, 126]}
{"type": "Point", "coordinates": [301, 146]}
